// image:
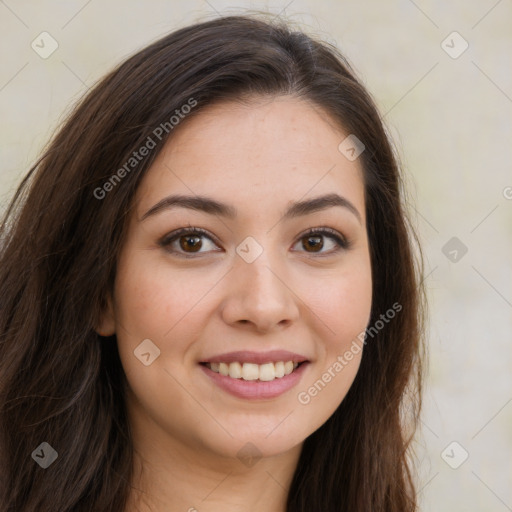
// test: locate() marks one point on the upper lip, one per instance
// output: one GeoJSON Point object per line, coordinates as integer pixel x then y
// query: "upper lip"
{"type": "Point", "coordinates": [247, 356]}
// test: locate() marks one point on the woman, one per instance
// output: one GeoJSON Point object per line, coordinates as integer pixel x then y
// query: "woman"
{"type": "Point", "coordinates": [209, 299]}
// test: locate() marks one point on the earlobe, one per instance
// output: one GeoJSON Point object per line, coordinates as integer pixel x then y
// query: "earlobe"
{"type": "Point", "coordinates": [107, 324]}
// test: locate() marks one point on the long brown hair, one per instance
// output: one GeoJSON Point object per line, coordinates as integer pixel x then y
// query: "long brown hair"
{"type": "Point", "coordinates": [61, 383]}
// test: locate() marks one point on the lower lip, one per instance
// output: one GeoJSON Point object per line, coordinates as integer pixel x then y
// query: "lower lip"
{"type": "Point", "coordinates": [256, 389]}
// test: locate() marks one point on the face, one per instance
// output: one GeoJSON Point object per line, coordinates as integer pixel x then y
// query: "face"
{"type": "Point", "coordinates": [258, 284]}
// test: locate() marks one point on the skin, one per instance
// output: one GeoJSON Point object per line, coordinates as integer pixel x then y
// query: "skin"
{"type": "Point", "coordinates": [258, 157]}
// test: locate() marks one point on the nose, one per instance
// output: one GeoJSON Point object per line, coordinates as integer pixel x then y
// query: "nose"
{"type": "Point", "coordinates": [259, 296]}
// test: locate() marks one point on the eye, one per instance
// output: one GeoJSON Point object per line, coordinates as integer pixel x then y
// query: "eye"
{"type": "Point", "coordinates": [188, 240]}
{"type": "Point", "coordinates": [313, 239]}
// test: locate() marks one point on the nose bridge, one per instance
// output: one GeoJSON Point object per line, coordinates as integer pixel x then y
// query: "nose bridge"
{"type": "Point", "coordinates": [259, 274]}
{"type": "Point", "coordinates": [259, 293]}
{"type": "Point", "coordinates": [256, 255]}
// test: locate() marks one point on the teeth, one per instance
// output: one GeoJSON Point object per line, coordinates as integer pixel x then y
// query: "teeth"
{"type": "Point", "coordinates": [223, 369]}
{"type": "Point", "coordinates": [252, 371]}
{"type": "Point", "coordinates": [268, 372]}
{"type": "Point", "coordinates": [235, 370]}
{"type": "Point", "coordinates": [279, 369]}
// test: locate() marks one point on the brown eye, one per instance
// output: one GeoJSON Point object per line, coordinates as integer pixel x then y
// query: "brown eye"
{"type": "Point", "coordinates": [192, 242]}
{"type": "Point", "coordinates": [313, 241]}
{"type": "Point", "coordinates": [188, 241]}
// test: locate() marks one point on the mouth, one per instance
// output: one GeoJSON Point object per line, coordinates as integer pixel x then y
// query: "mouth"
{"type": "Point", "coordinates": [255, 375]}
{"type": "Point", "coordinates": [254, 372]}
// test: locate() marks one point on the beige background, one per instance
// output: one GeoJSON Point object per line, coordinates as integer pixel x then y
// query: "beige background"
{"type": "Point", "coordinates": [451, 118]}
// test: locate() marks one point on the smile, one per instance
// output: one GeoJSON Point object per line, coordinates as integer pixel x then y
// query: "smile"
{"type": "Point", "coordinates": [255, 388]}
{"type": "Point", "coordinates": [250, 371]}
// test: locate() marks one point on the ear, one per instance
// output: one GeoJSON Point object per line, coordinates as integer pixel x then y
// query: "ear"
{"type": "Point", "coordinates": [107, 323]}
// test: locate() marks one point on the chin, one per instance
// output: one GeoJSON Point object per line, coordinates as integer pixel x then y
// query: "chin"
{"type": "Point", "coordinates": [250, 444]}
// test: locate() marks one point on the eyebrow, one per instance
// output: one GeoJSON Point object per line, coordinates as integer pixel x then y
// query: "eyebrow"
{"type": "Point", "coordinates": [213, 207]}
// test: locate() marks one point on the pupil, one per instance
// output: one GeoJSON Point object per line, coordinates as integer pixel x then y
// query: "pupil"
{"type": "Point", "coordinates": [193, 246]}
{"type": "Point", "coordinates": [316, 243]}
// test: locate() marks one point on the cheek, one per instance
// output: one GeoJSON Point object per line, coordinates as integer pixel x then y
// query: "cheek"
{"type": "Point", "coordinates": [168, 308]}
{"type": "Point", "coordinates": [152, 302]}
{"type": "Point", "coordinates": [341, 304]}
{"type": "Point", "coordinates": [341, 308]}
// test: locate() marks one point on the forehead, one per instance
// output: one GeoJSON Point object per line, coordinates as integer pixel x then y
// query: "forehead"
{"type": "Point", "coordinates": [267, 151]}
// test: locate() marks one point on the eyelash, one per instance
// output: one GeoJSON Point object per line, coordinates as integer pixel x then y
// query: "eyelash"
{"type": "Point", "coordinates": [167, 240]}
